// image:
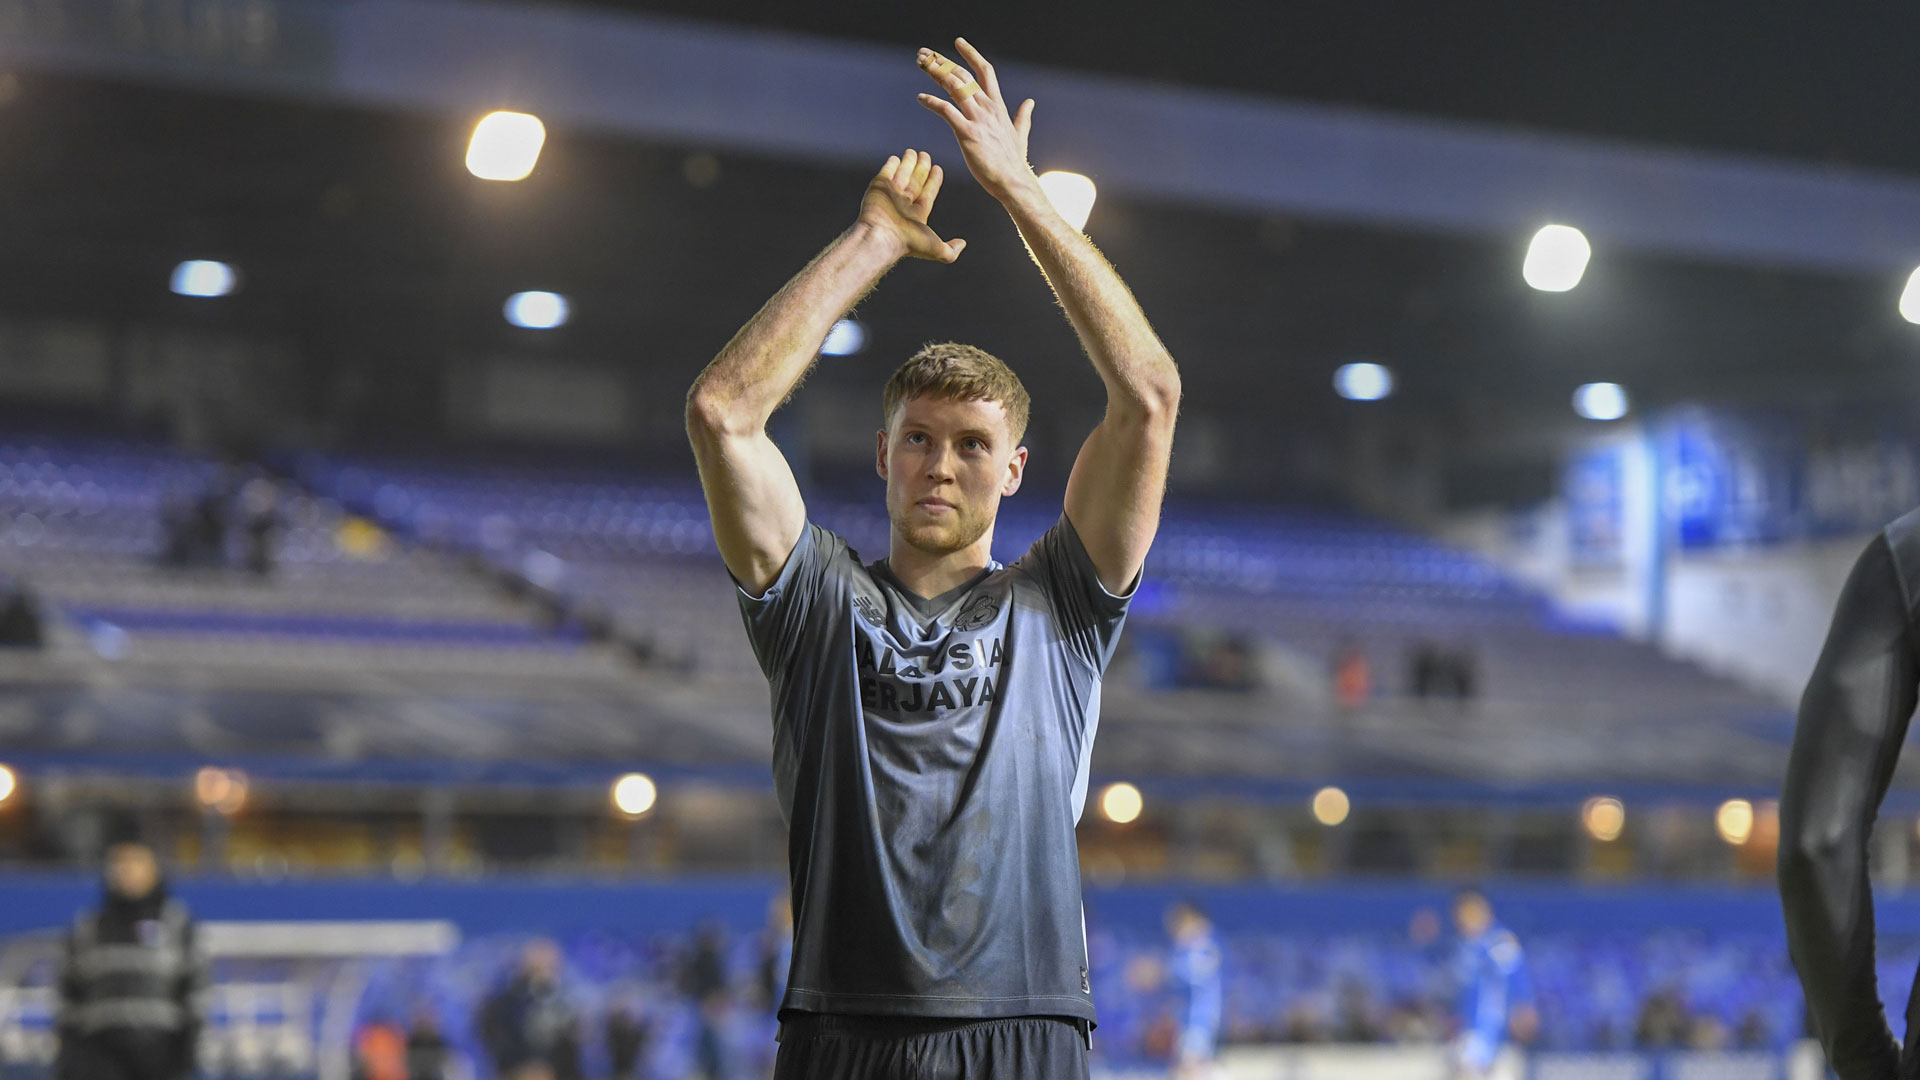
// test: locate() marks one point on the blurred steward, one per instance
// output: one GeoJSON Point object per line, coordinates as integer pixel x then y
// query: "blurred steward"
{"type": "Point", "coordinates": [529, 1026]}
{"type": "Point", "coordinates": [134, 981]}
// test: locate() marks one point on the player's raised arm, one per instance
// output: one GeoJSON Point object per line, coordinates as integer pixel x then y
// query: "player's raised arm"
{"type": "Point", "coordinates": [1853, 719]}
{"type": "Point", "coordinates": [751, 494]}
{"type": "Point", "coordinates": [1114, 492]}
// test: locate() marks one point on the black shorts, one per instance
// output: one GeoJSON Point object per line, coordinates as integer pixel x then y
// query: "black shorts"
{"type": "Point", "coordinates": [814, 1046]}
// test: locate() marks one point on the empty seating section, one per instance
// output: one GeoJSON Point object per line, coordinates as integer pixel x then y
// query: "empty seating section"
{"type": "Point", "coordinates": [87, 524]}
{"type": "Point", "coordinates": [68, 498]}
{"type": "Point", "coordinates": [637, 548]}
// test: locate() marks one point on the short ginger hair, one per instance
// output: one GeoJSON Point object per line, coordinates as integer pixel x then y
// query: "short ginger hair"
{"type": "Point", "coordinates": [957, 372]}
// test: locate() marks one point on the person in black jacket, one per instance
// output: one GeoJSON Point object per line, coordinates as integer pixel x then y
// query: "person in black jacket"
{"type": "Point", "coordinates": [1853, 718]}
{"type": "Point", "coordinates": [132, 988]}
{"type": "Point", "coordinates": [628, 1036]}
{"type": "Point", "coordinates": [529, 1026]}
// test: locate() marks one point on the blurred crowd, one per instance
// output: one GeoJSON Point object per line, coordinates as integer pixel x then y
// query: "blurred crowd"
{"type": "Point", "coordinates": [133, 990]}
{"type": "Point", "coordinates": [698, 1005]}
{"type": "Point", "coordinates": [701, 1004]}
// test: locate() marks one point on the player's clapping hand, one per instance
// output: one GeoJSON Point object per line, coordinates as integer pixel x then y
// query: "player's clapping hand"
{"type": "Point", "coordinates": [993, 141]}
{"type": "Point", "coordinates": [898, 202]}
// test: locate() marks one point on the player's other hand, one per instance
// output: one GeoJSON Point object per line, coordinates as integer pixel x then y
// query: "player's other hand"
{"type": "Point", "coordinates": [993, 141]}
{"type": "Point", "coordinates": [898, 202]}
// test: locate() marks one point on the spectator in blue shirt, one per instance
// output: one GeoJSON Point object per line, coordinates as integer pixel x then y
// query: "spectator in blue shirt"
{"type": "Point", "coordinates": [1194, 974]}
{"type": "Point", "coordinates": [1496, 993]}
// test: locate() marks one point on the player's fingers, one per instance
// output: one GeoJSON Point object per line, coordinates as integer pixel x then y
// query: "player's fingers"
{"type": "Point", "coordinates": [981, 69]}
{"type": "Point", "coordinates": [932, 190]}
{"type": "Point", "coordinates": [922, 168]}
{"type": "Point", "coordinates": [946, 110]}
{"type": "Point", "coordinates": [954, 79]}
{"type": "Point", "coordinates": [954, 248]}
{"type": "Point", "coordinates": [936, 65]}
{"type": "Point", "coordinates": [1023, 121]}
{"type": "Point", "coordinates": [887, 170]}
{"type": "Point", "coordinates": [903, 175]}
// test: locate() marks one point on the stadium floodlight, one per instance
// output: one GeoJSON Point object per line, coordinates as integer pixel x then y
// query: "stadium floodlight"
{"type": "Point", "coordinates": [1071, 194]}
{"type": "Point", "coordinates": [1122, 803]}
{"type": "Point", "coordinates": [1363, 382]}
{"type": "Point", "coordinates": [1601, 401]}
{"type": "Point", "coordinates": [203, 277]}
{"type": "Point", "coordinates": [9, 783]}
{"type": "Point", "coordinates": [1556, 259]}
{"type": "Point", "coordinates": [846, 338]}
{"type": "Point", "coordinates": [222, 791]}
{"type": "Point", "coordinates": [1331, 806]}
{"type": "Point", "coordinates": [1910, 299]}
{"type": "Point", "coordinates": [537, 310]}
{"type": "Point", "coordinates": [1734, 820]}
{"type": "Point", "coordinates": [1604, 817]}
{"type": "Point", "coordinates": [505, 146]}
{"type": "Point", "coordinates": [634, 794]}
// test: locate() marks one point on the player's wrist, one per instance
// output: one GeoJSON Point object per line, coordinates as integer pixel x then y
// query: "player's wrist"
{"type": "Point", "coordinates": [882, 243]}
{"type": "Point", "coordinates": [1023, 195]}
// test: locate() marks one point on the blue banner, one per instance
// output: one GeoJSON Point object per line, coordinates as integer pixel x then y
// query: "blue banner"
{"type": "Point", "coordinates": [1739, 479]}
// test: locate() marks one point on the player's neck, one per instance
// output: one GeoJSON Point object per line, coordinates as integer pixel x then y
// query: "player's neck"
{"type": "Point", "coordinates": [930, 575]}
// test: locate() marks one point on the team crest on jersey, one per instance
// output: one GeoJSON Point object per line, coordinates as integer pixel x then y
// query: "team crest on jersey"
{"type": "Point", "coordinates": [870, 611]}
{"type": "Point", "coordinates": [979, 612]}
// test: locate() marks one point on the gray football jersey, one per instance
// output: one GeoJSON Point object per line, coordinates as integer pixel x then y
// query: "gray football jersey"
{"type": "Point", "coordinates": [930, 758]}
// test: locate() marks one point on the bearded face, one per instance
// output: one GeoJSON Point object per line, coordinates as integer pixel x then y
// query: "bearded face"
{"type": "Point", "coordinates": [947, 465]}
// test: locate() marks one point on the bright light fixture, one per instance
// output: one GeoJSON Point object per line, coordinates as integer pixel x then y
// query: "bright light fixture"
{"type": "Point", "coordinates": [1363, 382]}
{"type": "Point", "coordinates": [1910, 299]}
{"type": "Point", "coordinates": [846, 338]}
{"type": "Point", "coordinates": [1735, 821]}
{"type": "Point", "coordinates": [1605, 818]}
{"type": "Point", "coordinates": [220, 790]}
{"type": "Point", "coordinates": [1121, 803]}
{"type": "Point", "coordinates": [203, 277]}
{"type": "Point", "coordinates": [9, 783]}
{"type": "Point", "coordinates": [537, 310]}
{"type": "Point", "coordinates": [1556, 259]}
{"type": "Point", "coordinates": [1071, 194]}
{"type": "Point", "coordinates": [1601, 401]}
{"type": "Point", "coordinates": [505, 146]}
{"type": "Point", "coordinates": [1331, 806]}
{"type": "Point", "coordinates": [634, 794]}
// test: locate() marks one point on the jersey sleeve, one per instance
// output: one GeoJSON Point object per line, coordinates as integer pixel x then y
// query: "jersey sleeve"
{"type": "Point", "coordinates": [1853, 718]}
{"type": "Point", "coordinates": [776, 620]}
{"type": "Point", "coordinates": [1088, 615]}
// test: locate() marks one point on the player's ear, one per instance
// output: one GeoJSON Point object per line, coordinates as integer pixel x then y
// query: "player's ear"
{"type": "Point", "coordinates": [1016, 469]}
{"type": "Point", "coordinates": [880, 453]}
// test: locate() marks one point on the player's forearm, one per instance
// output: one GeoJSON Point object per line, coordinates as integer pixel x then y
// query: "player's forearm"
{"type": "Point", "coordinates": [1853, 720]}
{"type": "Point", "coordinates": [766, 360]}
{"type": "Point", "coordinates": [1830, 937]}
{"type": "Point", "coordinates": [1139, 373]}
{"type": "Point", "coordinates": [1827, 899]}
